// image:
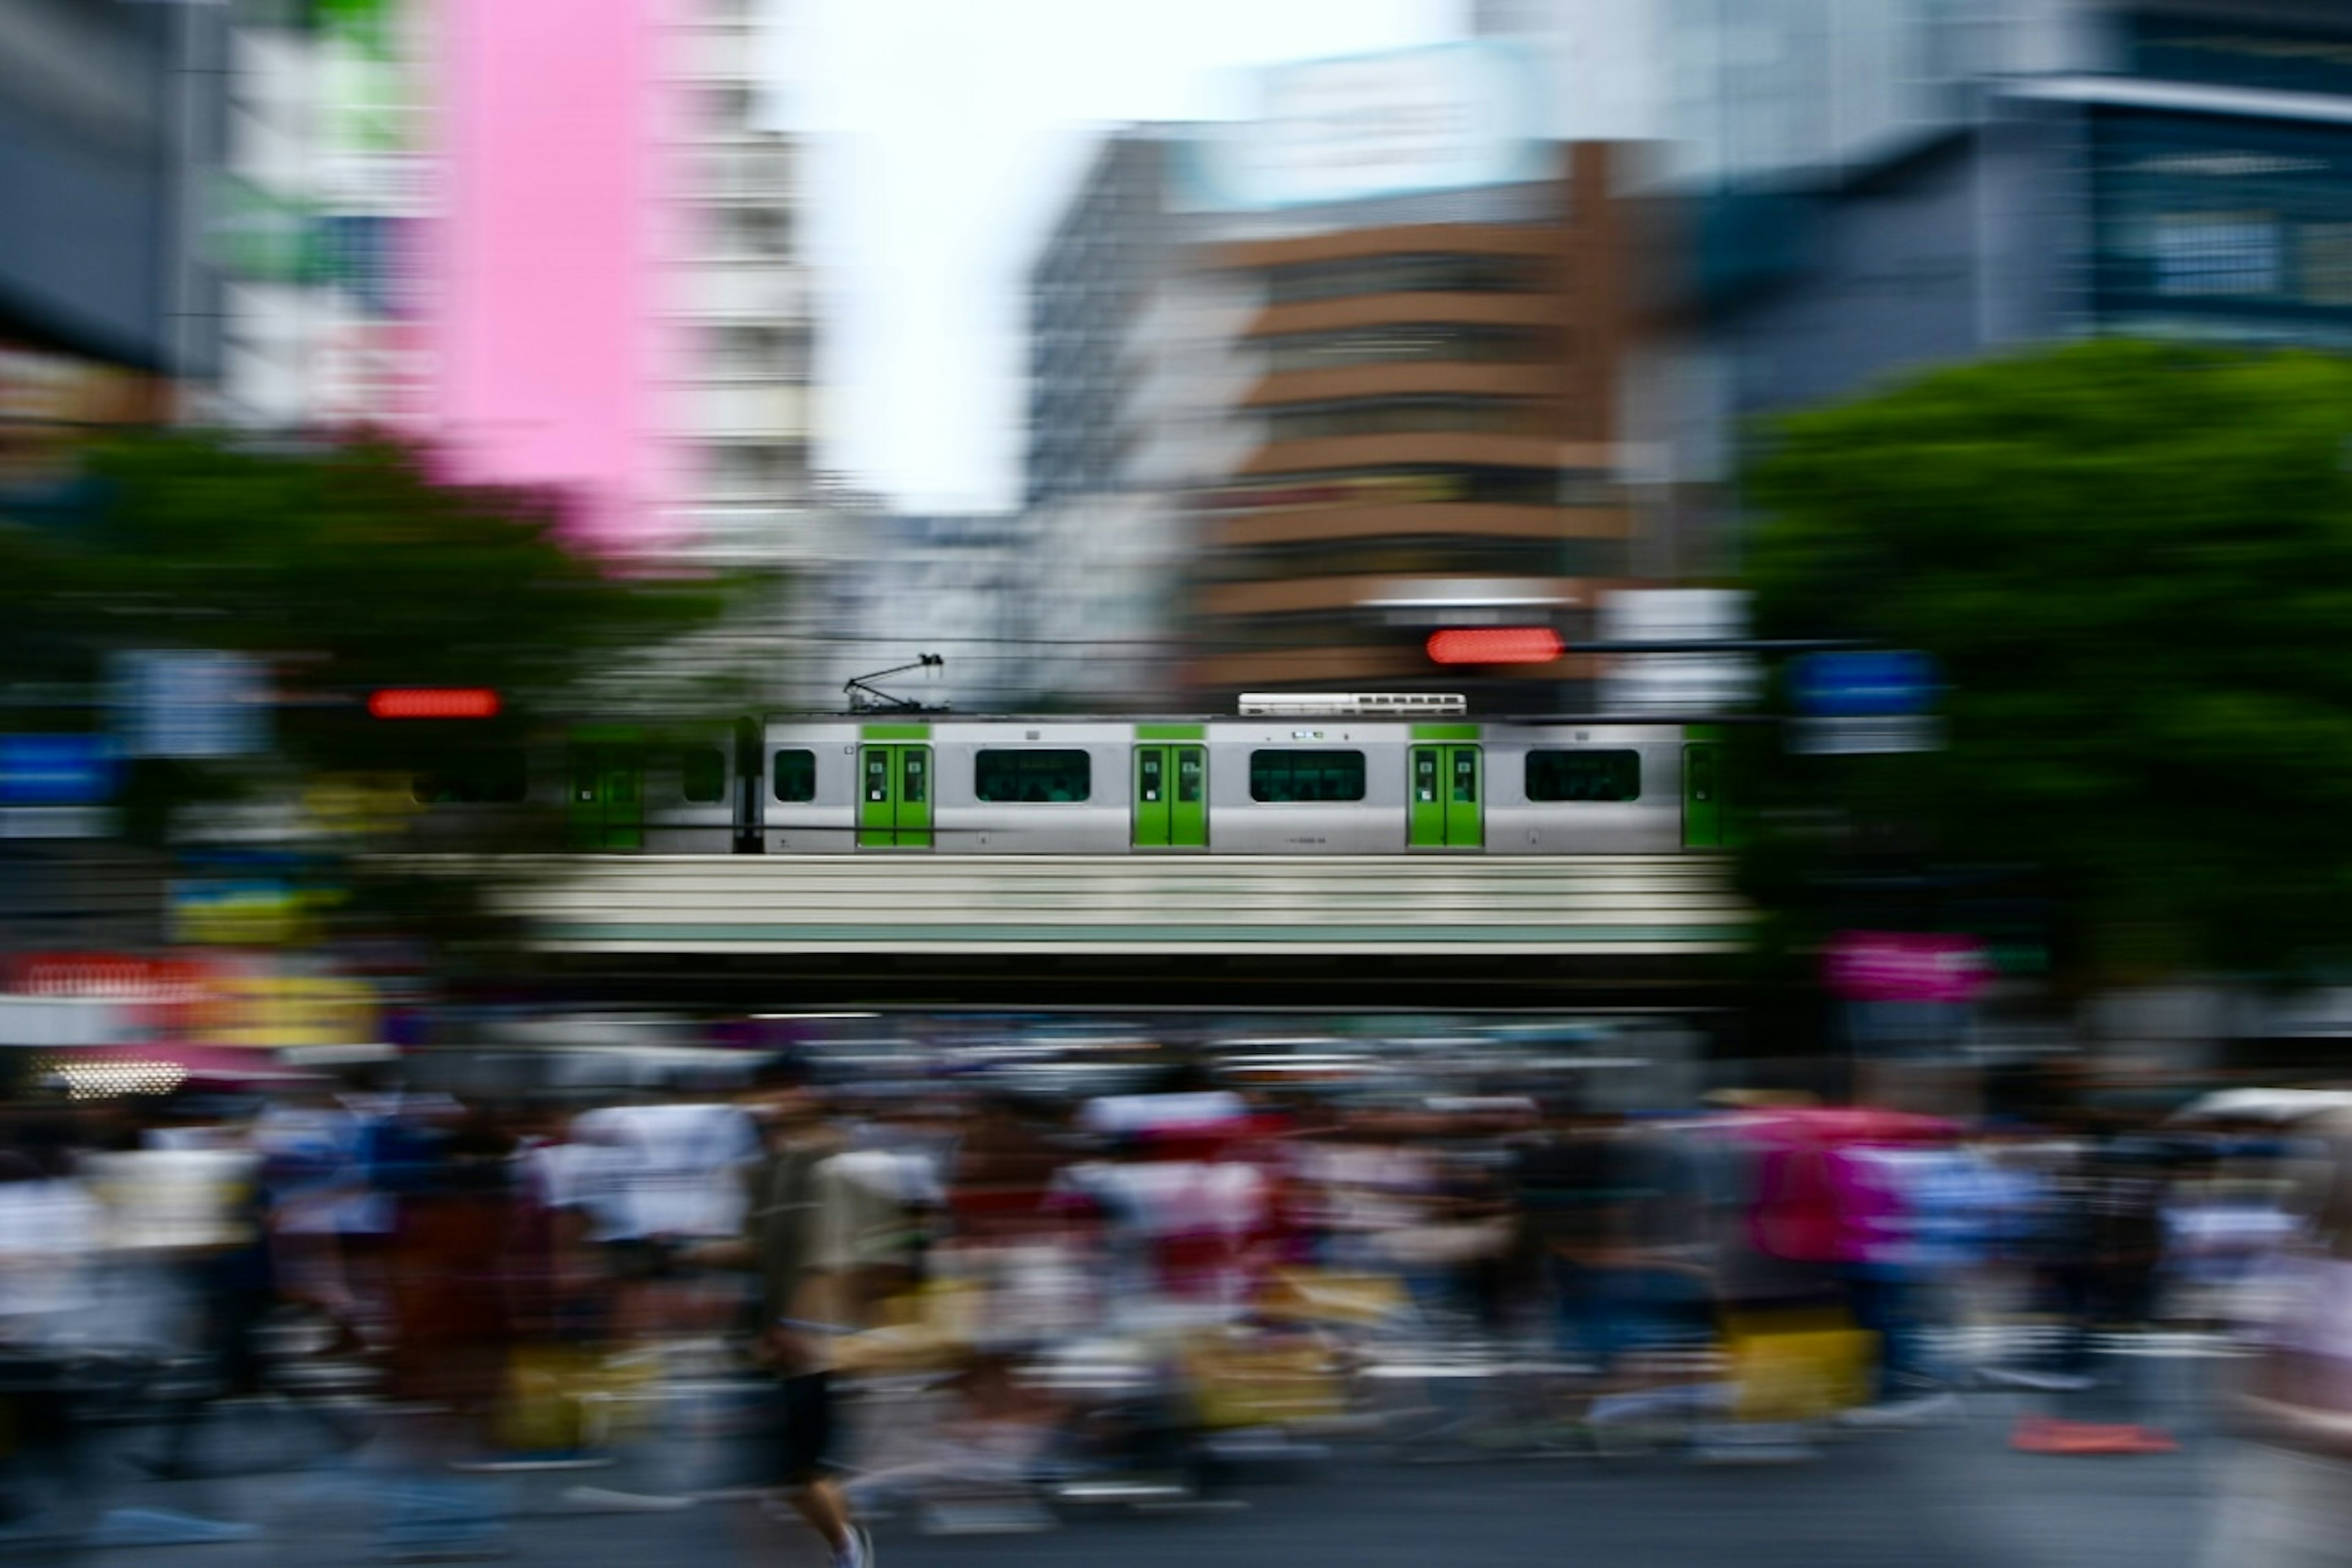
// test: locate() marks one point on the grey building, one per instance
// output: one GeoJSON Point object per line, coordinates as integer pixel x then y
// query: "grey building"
{"type": "Point", "coordinates": [2177, 170]}
{"type": "Point", "coordinates": [1112, 242]}
{"type": "Point", "coordinates": [106, 112]}
{"type": "Point", "coordinates": [907, 584]}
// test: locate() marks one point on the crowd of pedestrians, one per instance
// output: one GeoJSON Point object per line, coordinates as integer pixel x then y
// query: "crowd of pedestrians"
{"type": "Point", "coordinates": [951, 1298]}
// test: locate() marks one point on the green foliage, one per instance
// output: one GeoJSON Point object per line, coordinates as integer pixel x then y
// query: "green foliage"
{"type": "Point", "coordinates": [2134, 561]}
{"type": "Point", "coordinates": [349, 567]}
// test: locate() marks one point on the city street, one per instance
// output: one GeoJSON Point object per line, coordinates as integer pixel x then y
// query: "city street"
{"type": "Point", "coordinates": [1949, 1496]}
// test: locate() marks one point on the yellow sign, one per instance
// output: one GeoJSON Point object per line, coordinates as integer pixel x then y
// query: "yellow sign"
{"type": "Point", "coordinates": [358, 804]}
{"type": "Point", "coordinates": [274, 1011]}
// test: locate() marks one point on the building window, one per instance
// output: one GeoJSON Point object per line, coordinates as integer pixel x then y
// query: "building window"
{"type": "Point", "coordinates": [1291, 776]}
{"type": "Point", "coordinates": [2325, 264]}
{"type": "Point", "coordinates": [2204, 254]}
{"type": "Point", "coordinates": [746, 469]}
{"type": "Point", "coordinates": [1584, 775]}
{"type": "Point", "coordinates": [762, 352]}
{"type": "Point", "coordinates": [1409, 416]}
{"type": "Point", "coordinates": [795, 776]}
{"type": "Point", "coordinates": [764, 232]}
{"type": "Point", "coordinates": [1403, 275]}
{"type": "Point", "coordinates": [1037, 778]}
{"type": "Point", "coordinates": [1435, 343]}
{"type": "Point", "coordinates": [728, 108]}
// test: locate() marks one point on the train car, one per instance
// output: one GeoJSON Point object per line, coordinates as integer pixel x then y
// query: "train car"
{"type": "Point", "coordinates": [1344, 778]}
{"type": "Point", "coordinates": [1289, 775]}
{"type": "Point", "coordinates": [604, 789]}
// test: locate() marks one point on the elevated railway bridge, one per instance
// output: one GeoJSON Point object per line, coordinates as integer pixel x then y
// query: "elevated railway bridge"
{"type": "Point", "coordinates": [1129, 930]}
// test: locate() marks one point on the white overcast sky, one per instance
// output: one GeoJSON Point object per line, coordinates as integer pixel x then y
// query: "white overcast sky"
{"type": "Point", "coordinates": [943, 136]}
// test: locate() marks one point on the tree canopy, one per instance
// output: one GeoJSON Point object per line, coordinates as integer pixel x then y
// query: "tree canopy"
{"type": "Point", "coordinates": [345, 567]}
{"type": "Point", "coordinates": [2134, 563]}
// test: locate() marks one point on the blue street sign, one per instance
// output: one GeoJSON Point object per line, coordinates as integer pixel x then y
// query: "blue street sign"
{"type": "Point", "coordinates": [55, 770]}
{"type": "Point", "coordinates": [1874, 684]}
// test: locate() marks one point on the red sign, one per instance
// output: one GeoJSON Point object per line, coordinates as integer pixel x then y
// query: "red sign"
{"type": "Point", "coordinates": [116, 976]}
{"type": "Point", "coordinates": [1495, 644]}
{"type": "Point", "coordinates": [434, 702]}
{"type": "Point", "coordinates": [1898, 966]}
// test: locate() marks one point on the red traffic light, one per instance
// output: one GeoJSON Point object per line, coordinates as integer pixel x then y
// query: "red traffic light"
{"type": "Point", "coordinates": [434, 702]}
{"type": "Point", "coordinates": [1495, 644]}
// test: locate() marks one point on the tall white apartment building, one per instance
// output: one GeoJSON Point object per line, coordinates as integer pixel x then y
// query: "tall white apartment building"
{"type": "Point", "coordinates": [377, 155]}
{"type": "Point", "coordinates": [742, 412]}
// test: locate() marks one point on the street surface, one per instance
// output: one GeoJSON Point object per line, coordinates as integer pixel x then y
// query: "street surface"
{"type": "Point", "coordinates": [1950, 1495]}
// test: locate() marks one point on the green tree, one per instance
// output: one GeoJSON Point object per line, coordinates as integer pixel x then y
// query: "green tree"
{"type": "Point", "coordinates": [345, 567]}
{"type": "Point", "coordinates": [2134, 563]}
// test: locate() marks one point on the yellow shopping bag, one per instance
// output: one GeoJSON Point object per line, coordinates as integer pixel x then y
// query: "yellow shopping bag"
{"type": "Point", "coordinates": [563, 1398]}
{"type": "Point", "coordinates": [1798, 1366]}
{"type": "Point", "coordinates": [1238, 1382]}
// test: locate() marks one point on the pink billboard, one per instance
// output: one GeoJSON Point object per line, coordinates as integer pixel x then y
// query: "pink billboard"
{"type": "Point", "coordinates": [549, 346]}
{"type": "Point", "coordinates": [1899, 966]}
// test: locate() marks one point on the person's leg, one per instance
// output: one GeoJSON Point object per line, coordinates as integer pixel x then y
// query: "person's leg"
{"type": "Point", "coordinates": [807, 1432]}
{"type": "Point", "coordinates": [826, 1509]}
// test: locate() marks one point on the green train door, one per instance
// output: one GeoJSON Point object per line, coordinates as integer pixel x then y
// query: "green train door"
{"type": "Point", "coordinates": [893, 797]}
{"type": "Point", "coordinates": [1702, 826]}
{"type": "Point", "coordinates": [608, 796]}
{"type": "Point", "coordinates": [1447, 813]}
{"type": "Point", "coordinates": [1171, 797]}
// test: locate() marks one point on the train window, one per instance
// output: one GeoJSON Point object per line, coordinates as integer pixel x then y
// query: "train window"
{"type": "Point", "coordinates": [500, 780]}
{"type": "Point", "coordinates": [1307, 775]}
{"type": "Point", "coordinates": [1188, 764]}
{"type": "Point", "coordinates": [702, 774]}
{"type": "Point", "coordinates": [795, 775]}
{"type": "Point", "coordinates": [1584, 775]}
{"type": "Point", "coordinates": [1037, 777]}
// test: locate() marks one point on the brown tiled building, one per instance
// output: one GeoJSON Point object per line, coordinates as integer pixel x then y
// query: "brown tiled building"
{"type": "Point", "coordinates": [1439, 440]}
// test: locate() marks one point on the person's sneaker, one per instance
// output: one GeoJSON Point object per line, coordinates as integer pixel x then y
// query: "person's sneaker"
{"type": "Point", "coordinates": [859, 1550]}
{"type": "Point", "coordinates": [605, 1500]}
{"type": "Point", "coordinates": [2036, 1382]}
{"type": "Point", "coordinates": [1921, 1410]}
{"type": "Point", "coordinates": [163, 1527]}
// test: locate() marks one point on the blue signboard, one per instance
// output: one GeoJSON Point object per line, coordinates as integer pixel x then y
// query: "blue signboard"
{"type": "Point", "coordinates": [55, 770]}
{"type": "Point", "coordinates": [1871, 685]}
{"type": "Point", "coordinates": [191, 702]}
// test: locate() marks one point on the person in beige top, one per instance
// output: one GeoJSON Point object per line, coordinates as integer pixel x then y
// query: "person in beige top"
{"type": "Point", "coordinates": [799, 1238]}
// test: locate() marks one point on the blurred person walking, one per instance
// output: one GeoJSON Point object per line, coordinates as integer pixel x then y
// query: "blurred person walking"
{"type": "Point", "coordinates": [451, 1285]}
{"type": "Point", "coordinates": [799, 1241]}
{"type": "Point", "coordinates": [49, 1230]}
{"type": "Point", "coordinates": [2287, 1501]}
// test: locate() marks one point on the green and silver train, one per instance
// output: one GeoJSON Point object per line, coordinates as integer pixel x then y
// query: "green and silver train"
{"type": "Point", "coordinates": [1341, 775]}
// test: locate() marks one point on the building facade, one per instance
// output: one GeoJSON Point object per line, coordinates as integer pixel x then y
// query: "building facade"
{"type": "Point", "coordinates": [109, 117]}
{"type": "Point", "coordinates": [2175, 171]}
{"type": "Point", "coordinates": [553, 240]}
{"type": "Point", "coordinates": [1439, 443]}
{"type": "Point", "coordinates": [1114, 242]}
